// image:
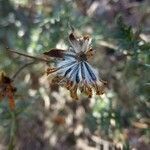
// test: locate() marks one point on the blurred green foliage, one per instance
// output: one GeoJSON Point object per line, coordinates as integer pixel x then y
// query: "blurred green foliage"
{"type": "Point", "coordinates": [37, 26]}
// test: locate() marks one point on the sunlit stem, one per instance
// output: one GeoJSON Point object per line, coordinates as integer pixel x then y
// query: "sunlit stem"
{"type": "Point", "coordinates": [29, 56]}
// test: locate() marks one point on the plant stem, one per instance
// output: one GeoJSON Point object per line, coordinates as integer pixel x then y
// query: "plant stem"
{"type": "Point", "coordinates": [12, 131]}
{"type": "Point", "coordinates": [29, 56]}
{"type": "Point", "coordinates": [21, 68]}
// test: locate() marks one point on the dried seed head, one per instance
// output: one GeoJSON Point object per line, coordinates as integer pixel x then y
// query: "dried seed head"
{"type": "Point", "coordinates": [74, 70]}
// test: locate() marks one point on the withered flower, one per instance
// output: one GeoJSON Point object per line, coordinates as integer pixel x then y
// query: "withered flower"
{"type": "Point", "coordinates": [73, 69]}
{"type": "Point", "coordinates": [7, 89]}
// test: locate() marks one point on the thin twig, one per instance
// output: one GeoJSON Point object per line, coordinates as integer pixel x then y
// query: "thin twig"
{"type": "Point", "coordinates": [21, 68]}
{"type": "Point", "coordinates": [29, 56]}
